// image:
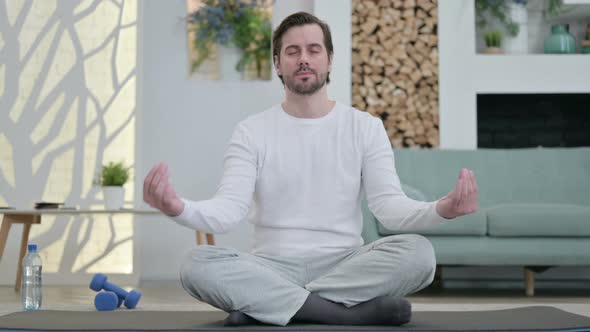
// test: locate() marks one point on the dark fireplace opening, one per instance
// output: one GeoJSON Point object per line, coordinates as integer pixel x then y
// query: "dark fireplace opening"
{"type": "Point", "coordinates": [508, 121]}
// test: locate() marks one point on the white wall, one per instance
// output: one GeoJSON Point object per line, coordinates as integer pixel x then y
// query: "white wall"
{"type": "Point", "coordinates": [67, 106]}
{"type": "Point", "coordinates": [456, 35]}
{"type": "Point", "coordinates": [336, 13]}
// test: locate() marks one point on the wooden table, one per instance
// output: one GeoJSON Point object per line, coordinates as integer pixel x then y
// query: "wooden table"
{"type": "Point", "coordinates": [31, 217]}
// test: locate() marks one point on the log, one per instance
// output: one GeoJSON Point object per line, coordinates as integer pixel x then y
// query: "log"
{"type": "Point", "coordinates": [395, 68]}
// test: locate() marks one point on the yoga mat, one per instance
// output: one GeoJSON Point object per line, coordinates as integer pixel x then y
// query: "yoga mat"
{"type": "Point", "coordinates": [534, 318]}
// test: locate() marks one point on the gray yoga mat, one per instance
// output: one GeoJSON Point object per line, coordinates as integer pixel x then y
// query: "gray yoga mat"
{"type": "Point", "coordinates": [535, 318]}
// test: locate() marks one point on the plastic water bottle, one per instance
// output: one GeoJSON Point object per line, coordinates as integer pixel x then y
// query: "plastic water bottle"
{"type": "Point", "coordinates": [32, 283]}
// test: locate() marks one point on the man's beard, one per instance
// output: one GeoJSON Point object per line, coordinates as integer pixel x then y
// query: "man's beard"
{"type": "Point", "coordinates": [306, 88]}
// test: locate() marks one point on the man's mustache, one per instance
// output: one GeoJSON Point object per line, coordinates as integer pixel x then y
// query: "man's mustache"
{"type": "Point", "coordinates": [305, 69]}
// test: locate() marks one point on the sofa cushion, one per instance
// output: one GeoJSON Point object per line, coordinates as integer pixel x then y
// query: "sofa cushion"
{"type": "Point", "coordinates": [539, 220]}
{"type": "Point", "coordinates": [473, 224]}
{"type": "Point", "coordinates": [519, 251]}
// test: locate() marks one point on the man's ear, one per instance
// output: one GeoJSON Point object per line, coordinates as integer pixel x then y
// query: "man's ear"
{"type": "Point", "coordinates": [277, 62]}
{"type": "Point", "coordinates": [330, 63]}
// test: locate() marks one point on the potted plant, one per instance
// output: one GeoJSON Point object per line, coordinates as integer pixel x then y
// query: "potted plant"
{"type": "Point", "coordinates": [554, 8]}
{"type": "Point", "coordinates": [245, 25]}
{"type": "Point", "coordinates": [509, 15]}
{"type": "Point", "coordinates": [493, 41]}
{"type": "Point", "coordinates": [112, 178]}
{"type": "Point", "coordinates": [498, 10]}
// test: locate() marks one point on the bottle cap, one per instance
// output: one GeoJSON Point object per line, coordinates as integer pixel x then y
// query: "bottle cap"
{"type": "Point", "coordinates": [32, 247]}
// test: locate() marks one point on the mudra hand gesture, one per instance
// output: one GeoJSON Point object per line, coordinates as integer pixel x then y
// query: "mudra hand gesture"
{"type": "Point", "coordinates": [462, 200]}
{"type": "Point", "coordinates": [158, 192]}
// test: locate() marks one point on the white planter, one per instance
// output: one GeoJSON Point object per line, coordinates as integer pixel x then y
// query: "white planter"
{"type": "Point", "coordinates": [114, 197]}
{"type": "Point", "coordinates": [229, 56]}
{"type": "Point", "coordinates": [520, 43]}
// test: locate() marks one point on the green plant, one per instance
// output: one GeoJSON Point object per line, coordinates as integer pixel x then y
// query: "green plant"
{"type": "Point", "coordinates": [113, 174]}
{"type": "Point", "coordinates": [493, 38]}
{"type": "Point", "coordinates": [554, 7]}
{"type": "Point", "coordinates": [246, 24]}
{"type": "Point", "coordinates": [497, 9]}
{"type": "Point", "coordinates": [254, 39]}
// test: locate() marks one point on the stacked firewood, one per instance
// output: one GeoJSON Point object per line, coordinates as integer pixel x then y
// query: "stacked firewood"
{"type": "Point", "coordinates": [395, 67]}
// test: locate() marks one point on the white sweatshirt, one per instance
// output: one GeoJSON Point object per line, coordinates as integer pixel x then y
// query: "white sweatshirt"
{"type": "Point", "coordinates": [304, 178]}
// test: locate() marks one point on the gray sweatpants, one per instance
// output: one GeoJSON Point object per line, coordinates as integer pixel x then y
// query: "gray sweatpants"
{"type": "Point", "coordinates": [272, 289]}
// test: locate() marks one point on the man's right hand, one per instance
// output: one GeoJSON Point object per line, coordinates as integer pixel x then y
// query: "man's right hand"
{"type": "Point", "coordinates": [158, 192]}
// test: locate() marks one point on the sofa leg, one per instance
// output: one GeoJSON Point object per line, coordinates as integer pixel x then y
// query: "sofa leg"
{"type": "Point", "coordinates": [529, 279]}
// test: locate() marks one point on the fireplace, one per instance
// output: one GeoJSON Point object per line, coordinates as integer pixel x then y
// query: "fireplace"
{"type": "Point", "coordinates": [508, 121]}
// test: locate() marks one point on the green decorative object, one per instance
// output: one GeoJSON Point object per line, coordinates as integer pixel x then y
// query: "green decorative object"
{"type": "Point", "coordinates": [113, 174]}
{"type": "Point", "coordinates": [560, 41]}
{"type": "Point", "coordinates": [112, 177]}
{"type": "Point", "coordinates": [487, 10]}
{"type": "Point", "coordinates": [586, 43]}
{"type": "Point", "coordinates": [493, 40]}
{"type": "Point", "coordinates": [241, 23]}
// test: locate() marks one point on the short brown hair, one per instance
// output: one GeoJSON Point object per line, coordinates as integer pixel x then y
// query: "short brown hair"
{"type": "Point", "coordinates": [299, 19]}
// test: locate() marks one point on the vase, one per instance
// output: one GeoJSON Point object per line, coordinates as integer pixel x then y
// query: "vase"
{"type": "Point", "coordinates": [560, 41]}
{"type": "Point", "coordinates": [229, 56]}
{"type": "Point", "coordinates": [114, 197]}
{"type": "Point", "coordinates": [518, 44]}
{"type": "Point", "coordinates": [586, 43]}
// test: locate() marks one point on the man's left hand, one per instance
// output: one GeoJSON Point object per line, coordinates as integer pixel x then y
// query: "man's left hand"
{"type": "Point", "coordinates": [462, 200]}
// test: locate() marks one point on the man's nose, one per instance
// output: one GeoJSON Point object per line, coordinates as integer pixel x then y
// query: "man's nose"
{"type": "Point", "coordinates": [304, 59]}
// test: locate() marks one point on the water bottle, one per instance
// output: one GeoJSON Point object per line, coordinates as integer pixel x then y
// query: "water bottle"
{"type": "Point", "coordinates": [31, 284]}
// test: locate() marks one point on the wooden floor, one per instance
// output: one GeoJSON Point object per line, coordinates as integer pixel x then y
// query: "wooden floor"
{"type": "Point", "coordinates": [170, 296]}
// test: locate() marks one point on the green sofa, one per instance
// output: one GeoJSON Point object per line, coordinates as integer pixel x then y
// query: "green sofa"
{"type": "Point", "coordinates": [534, 207]}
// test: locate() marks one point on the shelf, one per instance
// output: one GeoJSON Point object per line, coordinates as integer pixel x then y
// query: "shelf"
{"type": "Point", "coordinates": [542, 73]}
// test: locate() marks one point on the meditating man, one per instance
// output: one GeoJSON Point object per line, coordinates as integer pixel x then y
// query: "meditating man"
{"type": "Point", "coordinates": [302, 167]}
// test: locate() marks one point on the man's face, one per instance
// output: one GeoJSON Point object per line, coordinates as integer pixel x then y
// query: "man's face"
{"type": "Point", "coordinates": [304, 62]}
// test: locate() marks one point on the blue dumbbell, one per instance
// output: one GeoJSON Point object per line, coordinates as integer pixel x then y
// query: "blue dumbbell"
{"type": "Point", "coordinates": [106, 301]}
{"type": "Point", "coordinates": [99, 282]}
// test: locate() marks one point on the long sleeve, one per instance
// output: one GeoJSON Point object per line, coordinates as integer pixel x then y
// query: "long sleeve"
{"type": "Point", "coordinates": [386, 199]}
{"type": "Point", "coordinates": [231, 203]}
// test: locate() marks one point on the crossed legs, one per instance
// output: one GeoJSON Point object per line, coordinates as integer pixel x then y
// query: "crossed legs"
{"type": "Point", "coordinates": [362, 286]}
